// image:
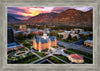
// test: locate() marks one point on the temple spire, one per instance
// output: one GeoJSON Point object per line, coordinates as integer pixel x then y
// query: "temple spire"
{"type": "Point", "coordinates": [39, 39]}
{"type": "Point", "coordinates": [34, 38]}
{"type": "Point", "coordinates": [55, 37]}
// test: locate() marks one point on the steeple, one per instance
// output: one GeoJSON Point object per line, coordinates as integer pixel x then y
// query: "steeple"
{"type": "Point", "coordinates": [55, 37]}
{"type": "Point", "coordinates": [39, 39]}
{"type": "Point", "coordinates": [34, 38]}
{"type": "Point", "coordinates": [45, 32]}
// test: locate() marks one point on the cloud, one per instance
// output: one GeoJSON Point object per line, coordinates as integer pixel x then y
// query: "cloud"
{"type": "Point", "coordinates": [60, 9]}
{"type": "Point", "coordinates": [26, 12]}
{"type": "Point", "coordinates": [84, 9]}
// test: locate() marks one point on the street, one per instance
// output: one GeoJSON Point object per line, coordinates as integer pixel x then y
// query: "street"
{"type": "Point", "coordinates": [74, 46]}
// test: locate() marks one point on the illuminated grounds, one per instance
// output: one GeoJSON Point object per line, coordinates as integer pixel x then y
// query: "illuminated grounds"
{"type": "Point", "coordinates": [59, 54]}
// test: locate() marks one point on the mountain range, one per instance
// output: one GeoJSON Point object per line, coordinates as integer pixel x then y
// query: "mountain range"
{"type": "Point", "coordinates": [12, 19]}
{"type": "Point", "coordinates": [71, 17]}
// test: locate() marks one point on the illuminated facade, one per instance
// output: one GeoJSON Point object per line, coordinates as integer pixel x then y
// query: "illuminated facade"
{"type": "Point", "coordinates": [44, 42]}
{"type": "Point", "coordinates": [75, 58]}
{"type": "Point", "coordinates": [22, 27]}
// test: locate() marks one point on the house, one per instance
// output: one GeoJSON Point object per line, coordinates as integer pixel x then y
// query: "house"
{"type": "Point", "coordinates": [88, 43]}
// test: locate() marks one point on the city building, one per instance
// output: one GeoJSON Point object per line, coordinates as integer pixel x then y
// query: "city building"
{"type": "Point", "coordinates": [11, 43]}
{"type": "Point", "coordinates": [88, 43]}
{"type": "Point", "coordinates": [48, 30]}
{"type": "Point", "coordinates": [35, 31]}
{"type": "Point", "coordinates": [10, 35]}
{"type": "Point", "coordinates": [16, 33]}
{"type": "Point", "coordinates": [67, 33]}
{"type": "Point", "coordinates": [75, 58]}
{"type": "Point", "coordinates": [44, 42]}
{"type": "Point", "coordinates": [22, 28]}
{"type": "Point", "coordinates": [75, 35]}
{"type": "Point", "coordinates": [13, 46]}
{"type": "Point", "coordinates": [84, 33]}
{"type": "Point", "coordinates": [77, 31]}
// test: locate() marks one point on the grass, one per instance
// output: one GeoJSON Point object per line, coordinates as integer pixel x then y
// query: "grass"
{"type": "Point", "coordinates": [67, 52]}
{"type": "Point", "coordinates": [40, 54]}
{"type": "Point", "coordinates": [81, 53]}
{"type": "Point", "coordinates": [45, 50]}
{"type": "Point", "coordinates": [55, 47]}
{"type": "Point", "coordinates": [27, 45]}
{"type": "Point", "coordinates": [87, 60]}
{"type": "Point", "coordinates": [25, 60]}
{"type": "Point", "coordinates": [69, 41]}
{"type": "Point", "coordinates": [55, 60]}
{"type": "Point", "coordinates": [63, 58]}
{"type": "Point", "coordinates": [21, 41]}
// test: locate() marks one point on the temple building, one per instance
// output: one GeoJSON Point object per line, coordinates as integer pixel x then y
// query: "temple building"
{"type": "Point", "coordinates": [44, 42]}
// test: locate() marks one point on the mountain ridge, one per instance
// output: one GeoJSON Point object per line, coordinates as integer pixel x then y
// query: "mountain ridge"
{"type": "Point", "coordinates": [71, 17]}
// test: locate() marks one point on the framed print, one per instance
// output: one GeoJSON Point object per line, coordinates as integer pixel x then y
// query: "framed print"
{"type": "Point", "coordinates": [49, 35]}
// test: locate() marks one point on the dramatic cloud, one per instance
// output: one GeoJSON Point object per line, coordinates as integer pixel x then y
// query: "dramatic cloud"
{"type": "Point", "coordinates": [26, 12]}
{"type": "Point", "coordinates": [84, 9]}
{"type": "Point", "coordinates": [60, 9]}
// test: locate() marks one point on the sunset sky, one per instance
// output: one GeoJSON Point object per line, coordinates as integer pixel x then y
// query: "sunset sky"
{"type": "Point", "coordinates": [27, 12]}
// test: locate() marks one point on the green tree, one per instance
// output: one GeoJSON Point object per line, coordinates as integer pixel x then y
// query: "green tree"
{"type": "Point", "coordinates": [20, 36]}
{"type": "Point", "coordinates": [74, 38]}
{"type": "Point", "coordinates": [60, 36]}
{"type": "Point", "coordinates": [69, 37]}
{"type": "Point", "coordinates": [31, 35]}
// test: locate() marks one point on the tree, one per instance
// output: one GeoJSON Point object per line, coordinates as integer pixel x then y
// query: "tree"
{"type": "Point", "coordinates": [60, 36]}
{"type": "Point", "coordinates": [69, 37]}
{"type": "Point", "coordinates": [83, 36]}
{"type": "Point", "coordinates": [31, 35]}
{"type": "Point", "coordinates": [20, 36]}
{"type": "Point", "coordinates": [74, 38]}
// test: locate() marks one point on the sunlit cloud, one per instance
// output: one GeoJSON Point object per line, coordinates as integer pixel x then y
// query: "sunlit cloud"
{"type": "Point", "coordinates": [26, 12]}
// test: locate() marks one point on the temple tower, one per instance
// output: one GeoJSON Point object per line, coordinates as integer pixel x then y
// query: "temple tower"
{"type": "Point", "coordinates": [39, 47]}
{"type": "Point", "coordinates": [34, 43]}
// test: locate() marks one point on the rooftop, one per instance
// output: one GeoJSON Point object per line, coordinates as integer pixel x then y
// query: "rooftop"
{"type": "Point", "coordinates": [89, 40]}
{"type": "Point", "coordinates": [42, 40]}
{"type": "Point", "coordinates": [76, 56]}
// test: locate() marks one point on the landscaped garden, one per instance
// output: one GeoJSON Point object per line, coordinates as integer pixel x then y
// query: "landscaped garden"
{"type": "Point", "coordinates": [27, 45]}
{"type": "Point", "coordinates": [63, 58]}
{"type": "Point", "coordinates": [24, 60]}
{"type": "Point", "coordinates": [88, 58]}
{"type": "Point", "coordinates": [40, 54]}
{"type": "Point", "coordinates": [55, 60]}
{"type": "Point", "coordinates": [81, 53]}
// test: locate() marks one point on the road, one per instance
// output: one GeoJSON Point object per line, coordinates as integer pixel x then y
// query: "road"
{"type": "Point", "coordinates": [74, 46]}
{"type": "Point", "coordinates": [81, 42]}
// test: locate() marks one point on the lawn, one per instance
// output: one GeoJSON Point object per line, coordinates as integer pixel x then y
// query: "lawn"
{"type": "Point", "coordinates": [28, 59]}
{"type": "Point", "coordinates": [55, 60]}
{"type": "Point", "coordinates": [81, 53]}
{"type": "Point", "coordinates": [69, 41]}
{"type": "Point", "coordinates": [87, 60]}
{"type": "Point", "coordinates": [55, 47]}
{"type": "Point", "coordinates": [40, 54]}
{"type": "Point", "coordinates": [21, 41]}
{"type": "Point", "coordinates": [63, 58]}
{"type": "Point", "coordinates": [27, 45]}
{"type": "Point", "coordinates": [45, 50]}
{"type": "Point", "coordinates": [67, 52]}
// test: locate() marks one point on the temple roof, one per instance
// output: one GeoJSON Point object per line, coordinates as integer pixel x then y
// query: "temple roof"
{"type": "Point", "coordinates": [42, 40]}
